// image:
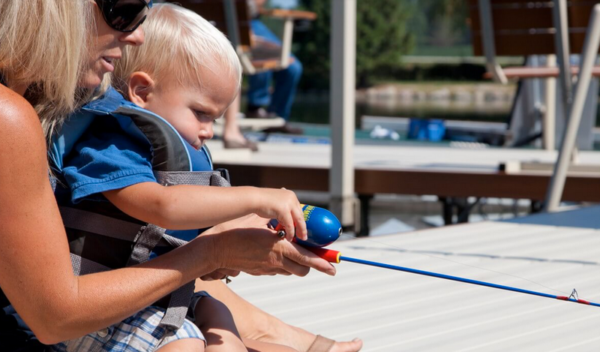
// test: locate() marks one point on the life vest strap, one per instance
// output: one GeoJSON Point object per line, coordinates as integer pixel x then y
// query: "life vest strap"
{"type": "Point", "coordinates": [88, 221]}
{"type": "Point", "coordinates": [198, 178]}
{"type": "Point", "coordinates": [178, 306]}
{"type": "Point", "coordinates": [82, 266]}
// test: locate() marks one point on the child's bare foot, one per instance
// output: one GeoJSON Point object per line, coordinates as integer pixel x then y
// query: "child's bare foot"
{"type": "Point", "coordinates": [303, 340]}
{"type": "Point", "coordinates": [323, 344]}
{"type": "Point", "coordinates": [350, 346]}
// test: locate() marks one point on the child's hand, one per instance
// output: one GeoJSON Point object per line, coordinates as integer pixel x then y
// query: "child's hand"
{"type": "Point", "coordinates": [284, 206]}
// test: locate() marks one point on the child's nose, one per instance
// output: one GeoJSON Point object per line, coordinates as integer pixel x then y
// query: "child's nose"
{"type": "Point", "coordinates": [207, 132]}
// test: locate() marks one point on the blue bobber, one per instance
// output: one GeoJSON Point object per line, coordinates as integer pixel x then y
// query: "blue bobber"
{"type": "Point", "coordinates": [322, 226]}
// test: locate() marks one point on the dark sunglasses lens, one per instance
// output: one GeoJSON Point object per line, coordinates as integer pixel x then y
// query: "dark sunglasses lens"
{"type": "Point", "coordinates": [127, 15]}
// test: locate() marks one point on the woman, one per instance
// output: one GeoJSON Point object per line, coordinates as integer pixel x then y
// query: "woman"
{"type": "Point", "coordinates": [72, 43]}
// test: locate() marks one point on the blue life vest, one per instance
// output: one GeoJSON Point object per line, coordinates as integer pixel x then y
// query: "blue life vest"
{"type": "Point", "coordinates": [100, 236]}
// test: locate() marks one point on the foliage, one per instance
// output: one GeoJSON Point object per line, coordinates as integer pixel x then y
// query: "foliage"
{"type": "Point", "coordinates": [382, 37]}
{"type": "Point", "coordinates": [440, 22]}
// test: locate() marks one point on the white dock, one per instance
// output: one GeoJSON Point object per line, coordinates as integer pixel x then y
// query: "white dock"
{"type": "Point", "coordinates": [397, 311]}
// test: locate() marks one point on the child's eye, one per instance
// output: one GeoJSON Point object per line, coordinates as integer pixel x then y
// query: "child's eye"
{"type": "Point", "coordinates": [203, 116]}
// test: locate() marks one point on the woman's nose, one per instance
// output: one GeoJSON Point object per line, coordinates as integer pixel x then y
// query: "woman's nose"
{"type": "Point", "coordinates": [134, 38]}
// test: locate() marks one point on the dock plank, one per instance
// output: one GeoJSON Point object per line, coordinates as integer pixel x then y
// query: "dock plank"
{"type": "Point", "coordinates": [396, 311]}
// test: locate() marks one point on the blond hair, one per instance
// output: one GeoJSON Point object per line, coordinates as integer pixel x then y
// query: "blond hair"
{"type": "Point", "coordinates": [178, 44]}
{"type": "Point", "coordinates": [42, 46]}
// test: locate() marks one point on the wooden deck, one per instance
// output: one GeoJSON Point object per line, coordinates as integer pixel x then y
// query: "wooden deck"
{"type": "Point", "coordinates": [396, 311]}
{"type": "Point", "coordinates": [410, 169]}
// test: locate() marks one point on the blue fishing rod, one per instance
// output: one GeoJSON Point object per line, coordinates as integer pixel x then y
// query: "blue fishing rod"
{"type": "Point", "coordinates": [335, 257]}
{"type": "Point", "coordinates": [324, 228]}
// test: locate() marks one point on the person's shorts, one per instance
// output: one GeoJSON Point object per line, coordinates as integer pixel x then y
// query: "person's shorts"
{"type": "Point", "coordinates": [138, 333]}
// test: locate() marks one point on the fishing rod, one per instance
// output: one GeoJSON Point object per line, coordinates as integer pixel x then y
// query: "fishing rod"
{"type": "Point", "coordinates": [324, 228]}
{"type": "Point", "coordinates": [335, 257]}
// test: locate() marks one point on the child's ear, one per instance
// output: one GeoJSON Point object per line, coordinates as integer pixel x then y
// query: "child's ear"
{"type": "Point", "coordinates": [140, 87]}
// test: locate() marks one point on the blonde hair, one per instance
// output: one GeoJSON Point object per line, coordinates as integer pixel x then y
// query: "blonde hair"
{"type": "Point", "coordinates": [42, 45]}
{"type": "Point", "coordinates": [178, 44]}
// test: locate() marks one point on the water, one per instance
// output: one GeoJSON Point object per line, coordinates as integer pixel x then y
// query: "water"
{"type": "Point", "coordinates": [316, 110]}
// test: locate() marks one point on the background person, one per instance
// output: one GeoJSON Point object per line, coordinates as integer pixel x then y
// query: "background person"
{"type": "Point", "coordinates": [262, 102]}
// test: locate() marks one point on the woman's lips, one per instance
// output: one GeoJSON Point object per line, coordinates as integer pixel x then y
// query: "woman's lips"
{"type": "Point", "coordinates": [107, 63]}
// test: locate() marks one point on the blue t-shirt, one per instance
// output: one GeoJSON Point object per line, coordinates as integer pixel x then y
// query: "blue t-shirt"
{"type": "Point", "coordinates": [105, 158]}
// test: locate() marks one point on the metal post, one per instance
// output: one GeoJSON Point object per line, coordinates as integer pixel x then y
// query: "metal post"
{"type": "Point", "coordinates": [489, 45]}
{"type": "Point", "coordinates": [286, 47]}
{"type": "Point", "coordinates": [561, 41]}
{"type": "Point", "coordinates": [588, 58]}
{"type": "Point", "coordinates": [231, 19]}
{"type": "Point", "coordinates": [549, 121]}
{"type": "Point", "coordinates": [343, 70]}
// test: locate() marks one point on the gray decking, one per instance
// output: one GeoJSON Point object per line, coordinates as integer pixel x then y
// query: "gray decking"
{"type": "Point", "coordinates": [396, 311]}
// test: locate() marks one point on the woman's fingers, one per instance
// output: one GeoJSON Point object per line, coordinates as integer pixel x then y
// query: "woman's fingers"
{"type": "Point", "coordinates": [304, 257]}
{"type": "Point", "coordinates": [229, 272]}
{"type": "Point", "coordinates": [292, 267]}
{"type": "Point", "coordinates": [260, 252]}
{"type": "Point", "coordinates": [220, 274]}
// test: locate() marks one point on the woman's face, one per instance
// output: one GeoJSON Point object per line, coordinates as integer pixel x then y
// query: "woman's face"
{"type": "Point", "coordinates": [106, 45]}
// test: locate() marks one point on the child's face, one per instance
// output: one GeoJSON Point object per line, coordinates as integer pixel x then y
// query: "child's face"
{"type": "Point", "coordinates": [192, 110]}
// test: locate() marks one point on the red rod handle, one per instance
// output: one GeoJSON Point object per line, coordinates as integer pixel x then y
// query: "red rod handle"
{"type": "Point", "coordinates": [328, 254]}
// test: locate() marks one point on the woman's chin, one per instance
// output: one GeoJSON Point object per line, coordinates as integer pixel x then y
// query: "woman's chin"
{"type": "Point", "coordinates": [90, 81]}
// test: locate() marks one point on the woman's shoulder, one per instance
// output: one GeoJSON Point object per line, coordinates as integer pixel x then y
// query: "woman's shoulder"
{"type": "Point", "coordinates": [16, 114]}
{"type": "Point", "coordinates": [19, 124]}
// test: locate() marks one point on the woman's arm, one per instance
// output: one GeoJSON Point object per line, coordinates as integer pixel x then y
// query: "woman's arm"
{"type": "Point", "coordinates": [193, 207]}
{"type": "Point", "coordinates": [35, 269]}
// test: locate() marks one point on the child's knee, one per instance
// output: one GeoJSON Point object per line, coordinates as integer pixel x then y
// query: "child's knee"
{"type": "Point", "coordinates": [212, 309]}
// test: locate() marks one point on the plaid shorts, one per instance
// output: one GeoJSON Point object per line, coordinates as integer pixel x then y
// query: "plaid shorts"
{"type": "Point", "coordinates": [138, 333]}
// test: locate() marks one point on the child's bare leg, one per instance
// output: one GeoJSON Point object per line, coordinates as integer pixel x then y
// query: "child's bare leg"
{"type": "Point", "coordinates": [216, 323]}
{"type": "Point", "coordinates": [183, 345]}
{"type": "Point", "coordinates": [255, 324]}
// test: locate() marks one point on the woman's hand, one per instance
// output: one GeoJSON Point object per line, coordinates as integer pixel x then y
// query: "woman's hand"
{"type": "Point", "coordinates": [219, 274]}
{"type": "Point", "coordinates": [258, 251]}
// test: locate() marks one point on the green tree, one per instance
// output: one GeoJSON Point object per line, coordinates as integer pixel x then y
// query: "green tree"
{"type": "Point", "coordinates": [440, 22]}
{"type": "Point", "coordinates": [382, 37]}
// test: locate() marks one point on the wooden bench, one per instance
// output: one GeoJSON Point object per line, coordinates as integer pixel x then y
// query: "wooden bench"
{"type": "Point", "coordinates": [523, 28]}
{"type": "Point", "coordinates": [232, 17]}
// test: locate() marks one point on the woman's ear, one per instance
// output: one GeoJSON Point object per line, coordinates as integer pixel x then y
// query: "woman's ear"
{"type": "Point", "coordinates": [140, 88]}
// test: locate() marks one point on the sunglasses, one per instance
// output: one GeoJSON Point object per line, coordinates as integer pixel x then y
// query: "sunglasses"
{"type": "Point", "coordinates": [124, 15]}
